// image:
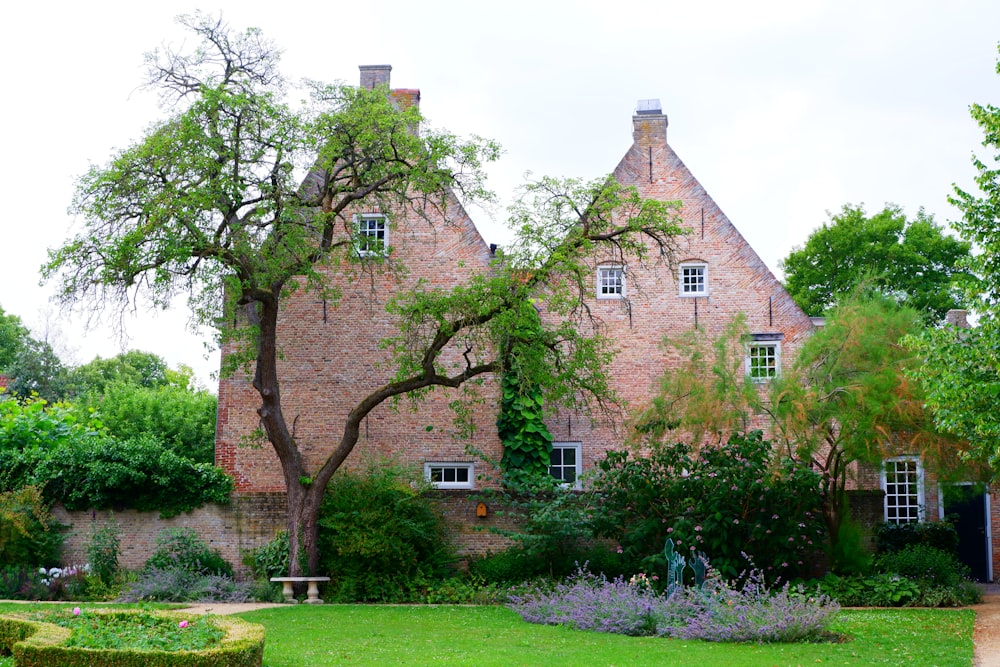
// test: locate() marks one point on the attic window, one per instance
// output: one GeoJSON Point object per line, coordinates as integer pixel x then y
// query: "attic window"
{"type": "Point", "coordinates": [693, 279]}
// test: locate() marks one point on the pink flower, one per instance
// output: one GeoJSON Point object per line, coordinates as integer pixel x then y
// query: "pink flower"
{"type": "Point", "coordinates": [182, 624]}
{"type": "Point", "coordinates": [697, 529]}
{"type": "Point", "coordinates": [620, 550]}
{"type": "Point", "coordinates": [76, 611]}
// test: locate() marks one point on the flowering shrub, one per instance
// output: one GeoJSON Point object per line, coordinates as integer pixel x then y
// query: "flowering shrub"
{"type": "Point", "coordinates": [728, 501]}
{"type": "Point", "coordinates": [717, 612]}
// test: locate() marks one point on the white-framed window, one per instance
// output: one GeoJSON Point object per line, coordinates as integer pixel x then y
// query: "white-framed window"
{"type": "Point", "coordinates": [763, 361]}
{"type": "Point", "coordinates": [693, 279]}
{"type": "Point", "coordinates": [565, 464]}
{"type": "Point", "coordinates": [450, 475]}
{"type": "Point", "coordinates": [372, 234]}
{"type": "Point", "coordinates": [610, 282]}
{"type": "Point", "coordinates": [903, 483]}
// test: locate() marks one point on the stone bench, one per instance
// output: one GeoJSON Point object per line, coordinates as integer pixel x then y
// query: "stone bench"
{"type": "Point", "coordinates": [312, 594]}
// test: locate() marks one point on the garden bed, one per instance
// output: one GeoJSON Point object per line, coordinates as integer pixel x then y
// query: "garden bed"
{"type": "Point", "coordinates": [64, 638]}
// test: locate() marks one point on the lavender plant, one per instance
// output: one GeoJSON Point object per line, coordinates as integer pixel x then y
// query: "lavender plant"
{"type": "Point", "coordinates": [719, 611]}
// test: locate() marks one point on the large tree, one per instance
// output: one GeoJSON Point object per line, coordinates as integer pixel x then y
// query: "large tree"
{"type": "Point", "coordinates": [849, 400]}
{"type": "Point", "coordinates": [13, 336]}
{"type": "Point", "coordinates": [211, 202]}
{"type": "Point", "coordinates": [961, 369]}
{"type": "Point", "coordinates": [914, 262]}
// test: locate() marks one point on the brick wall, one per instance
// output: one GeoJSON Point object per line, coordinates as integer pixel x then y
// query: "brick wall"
{"type": "Point", "coordinates": [249, 521]}
{"type": "Point", "coordinates": [252, 520]}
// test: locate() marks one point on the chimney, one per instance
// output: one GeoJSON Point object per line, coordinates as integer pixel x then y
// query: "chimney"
{"type": "Point", "coordinates": [374, 75]}
{"type": "Point", "coordinates": [957, 318]}
{"type": "Point", "coordinates": [649, 123]}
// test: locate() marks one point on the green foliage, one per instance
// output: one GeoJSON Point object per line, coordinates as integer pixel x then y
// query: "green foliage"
{"type": "Point", "coordinates": [134, 368]}
{"type": "Point", "coordinates": [103, 549]}
{"type": "Point", "coordinates": [13, 335]}
{"type": "Point", "coordinates": [129, 638]}
{"type": "Point", "coordinates": [177, 417]}
{"type": "Point", "coordinates": [76, 463]}
{"type": "Point", "coordinates": [37, 370]}
{"type": "Point", "coordinates": [380, 535]}
{"type": "Point", "coordinates": [918, 561]}
{"type": "Point", "coordinates": [914, 262]}
{"type": "Point", "coordinates": [527, 442]}
{"type": "Point", "coordinates": [269, 560]}
{"type": "Point", "coordinates": [184, 549]}
{"type": "Point", "coordinates": [892, 537]}
{"type": "Point", "coordinates": [848, 398]}
{"type": "Point", "coordinates": [138, 474]}
{"type": "Point", "coordinates": [28, 532]}
{"type": "Point", "coordinates": [848, 553]}
{"type": "Point", "coordinates": [734, 499]}
{"type": "Point", "coordinates": [549, 526]}
{"type": "Point", "coordinates": [961, 369]}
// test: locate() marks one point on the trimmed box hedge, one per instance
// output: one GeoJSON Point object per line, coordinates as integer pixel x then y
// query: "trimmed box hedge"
{"type": "Point", "coordinates": [37, 644]}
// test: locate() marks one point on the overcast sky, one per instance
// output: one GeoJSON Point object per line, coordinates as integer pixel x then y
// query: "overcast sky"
{"type": "Point", "coordinates": [783, 110]}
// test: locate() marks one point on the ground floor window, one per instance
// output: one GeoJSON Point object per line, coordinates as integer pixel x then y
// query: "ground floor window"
{"type": "Point", "coordinates": [903, 483]}
{"type": "Point", "coordinates": [450, 475]}
{"type": "Point", "coordinates": [564, 463]}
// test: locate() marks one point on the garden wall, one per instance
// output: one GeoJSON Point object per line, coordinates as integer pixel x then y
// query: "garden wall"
{"type": "Point", "coordinates": [248, 521]}
{"type": "Point", "coordinates": [251, 519]}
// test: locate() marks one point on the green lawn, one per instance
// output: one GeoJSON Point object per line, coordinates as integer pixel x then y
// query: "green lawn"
{"type": "Point", "coordinates": [482, 636]}
{"type": "Point", "coordinates": [306, 636]}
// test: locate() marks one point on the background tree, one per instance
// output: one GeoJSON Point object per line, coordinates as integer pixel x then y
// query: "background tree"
{"type": "Point", "coordinates": [961, 369]}
{"type": "Point", "coordinates": [13, 335]}
{"type": "Point", "coordinates": [848, 399]}
{"type": "Point", "coordinates": [136, 394]}
{"type": "Point", "coordinates": [211, 202]}
{"type": "Point", "coordinates": [37, 370]}
{"type": "Point", "coordinates": [914, 262]}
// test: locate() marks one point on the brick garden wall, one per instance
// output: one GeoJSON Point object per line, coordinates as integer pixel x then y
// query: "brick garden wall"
{"type": "Point", "coordinates": [252, 520]}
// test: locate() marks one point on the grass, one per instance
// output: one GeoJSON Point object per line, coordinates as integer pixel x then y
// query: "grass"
{"type": "Point", "coordinates": [316, 636]}
{"type": "Point", "coordinates": [483, 636]}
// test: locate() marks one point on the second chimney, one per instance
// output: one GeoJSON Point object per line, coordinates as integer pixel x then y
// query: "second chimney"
{"type": "Point", "coordinates": [374, 75]}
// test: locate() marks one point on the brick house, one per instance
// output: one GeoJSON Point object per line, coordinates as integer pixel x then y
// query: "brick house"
{"type": "Point", "coordinates": [331, 351]}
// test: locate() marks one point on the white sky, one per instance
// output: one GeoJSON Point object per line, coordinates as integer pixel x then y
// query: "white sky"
{"type": "Point", "coordinates": [783, 110]}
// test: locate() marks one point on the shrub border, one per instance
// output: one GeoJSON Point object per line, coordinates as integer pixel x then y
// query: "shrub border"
{"type": "Point", "coordinates": [36, 644]}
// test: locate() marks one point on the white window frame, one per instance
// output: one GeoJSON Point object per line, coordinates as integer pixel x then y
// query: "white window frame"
{"type": "Point", "coordinates": [454, 466]}
{"type": "Point", "coordinates": [577, 448]}
{"type": "Point", "coordinates": [605, 276]}
{"type": "Point", "coordinates": [363, 228]}
{"type": "Point", "coordinates": [763, 344]}
{"type": "Point", "coordinates": [684, 284]}
{"type": "Point", "coordinates": [914, 505]}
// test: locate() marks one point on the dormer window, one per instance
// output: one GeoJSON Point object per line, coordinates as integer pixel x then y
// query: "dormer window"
{"type": "Point", "coordinates": [372, 234]}
{"type": "Point", "coordinates": [693, 279]}
{"type": "Point", "coordinates": [611, 282]}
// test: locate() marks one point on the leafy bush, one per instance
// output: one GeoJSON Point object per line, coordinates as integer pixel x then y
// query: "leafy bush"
{"type": "Point", "coordinates": [77, 463]}
{"type": "Point", "coordinates": [380, 534]}
{"type": "Point", "coordinates": [28, 533]}
{"type": "Point", "coordinates": [731, 501]}
{"type": "Point", "coordinates": [718, 612]}
{"type": "Point", "coordinates": [271, 559]}
{"type": "Point", "coordinates": [106, 473]}
{"type": "Point", "coordinates": [924, 563]}
{"type": "Point", "coordinates": [893, 590]}
{"type": "Point", "coordinates": [183, 549]}
{"type": "Point", "coordinates": [890, 537]}
{"type": "Point", "coordinates": [103, 550]}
